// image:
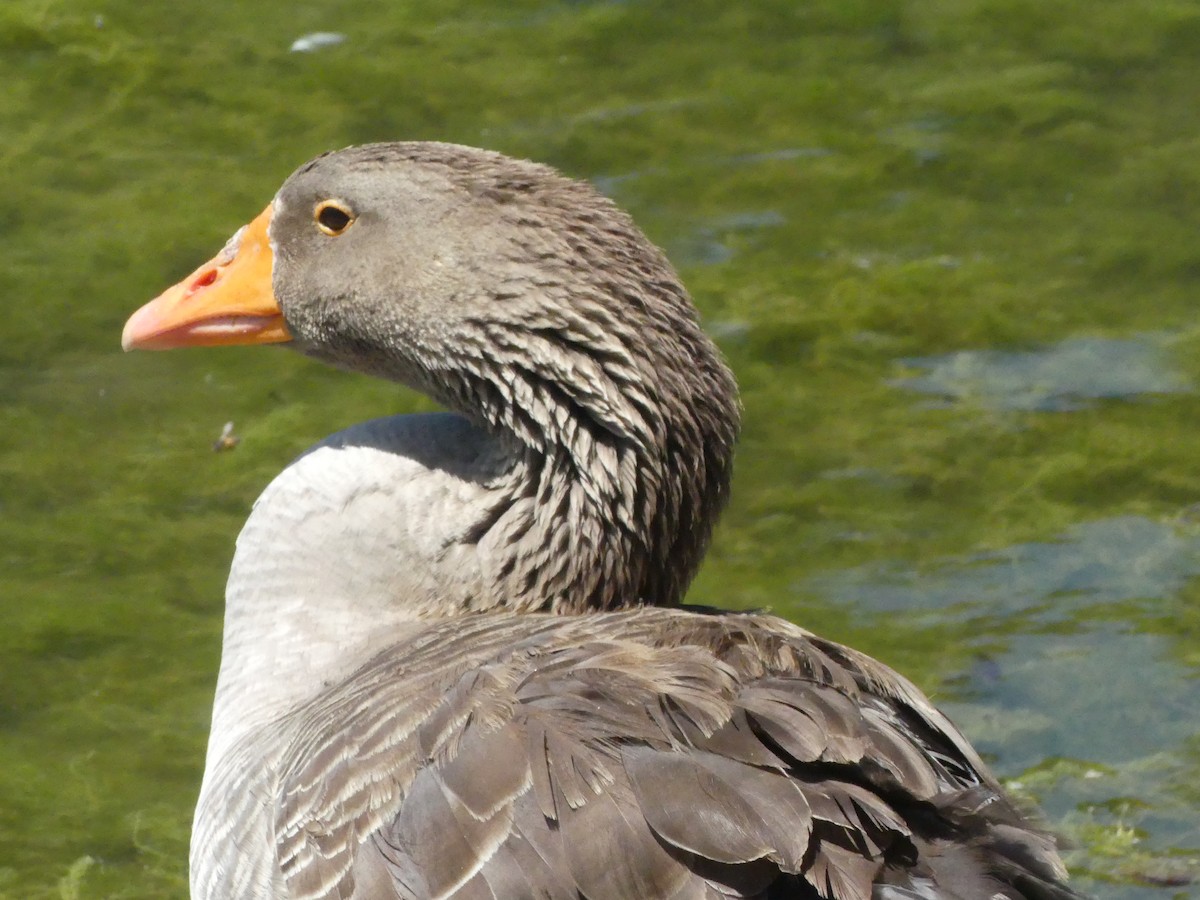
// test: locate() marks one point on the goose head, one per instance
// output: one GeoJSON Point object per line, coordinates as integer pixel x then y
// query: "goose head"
{"type": "Point", "coordinates": [522, 300]}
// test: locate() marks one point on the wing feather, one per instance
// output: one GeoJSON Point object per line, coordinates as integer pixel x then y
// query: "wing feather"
{"type": "Point", "coordinates": [651, 754]}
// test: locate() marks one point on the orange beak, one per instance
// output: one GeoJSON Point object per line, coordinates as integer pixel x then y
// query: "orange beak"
{"type": "Point", "coordinates": [228, 300]}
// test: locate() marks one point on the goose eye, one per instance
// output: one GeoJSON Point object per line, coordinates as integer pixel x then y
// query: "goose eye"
{"type": "Point", "coordinates": [333, 217]}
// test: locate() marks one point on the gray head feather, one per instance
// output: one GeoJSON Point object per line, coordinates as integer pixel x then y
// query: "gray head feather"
{"type": "Point", "coordinates": [531, 304]}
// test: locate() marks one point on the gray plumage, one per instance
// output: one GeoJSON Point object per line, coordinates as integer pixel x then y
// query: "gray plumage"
{"type": "Point", "coordinates": [454, 662]}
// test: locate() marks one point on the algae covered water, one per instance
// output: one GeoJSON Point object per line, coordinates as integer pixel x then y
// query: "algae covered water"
{"type": "Point", "coordinates": [952, 251]}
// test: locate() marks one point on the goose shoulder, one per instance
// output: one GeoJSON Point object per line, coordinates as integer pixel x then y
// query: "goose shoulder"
{"type": "Point", "coordinates": [651, 753]}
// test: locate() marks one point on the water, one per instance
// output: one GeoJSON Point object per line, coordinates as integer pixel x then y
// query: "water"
{"type": "Point", "coordinates": [1071, 374]}
{"type": "Point", "coordinates": [949, 249]}
{"type": "Point", "coordinates": [1059, 673]}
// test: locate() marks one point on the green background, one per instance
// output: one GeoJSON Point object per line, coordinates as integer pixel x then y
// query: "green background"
{"type": "Point", "coordinates": [950, 249]}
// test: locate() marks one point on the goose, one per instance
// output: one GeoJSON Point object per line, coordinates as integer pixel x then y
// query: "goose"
{"type": "Point", "coordinates": [456, 662]}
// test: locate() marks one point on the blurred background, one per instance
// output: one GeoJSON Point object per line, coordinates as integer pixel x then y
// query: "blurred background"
{"type": "Point", "coordinates": [950, 247]}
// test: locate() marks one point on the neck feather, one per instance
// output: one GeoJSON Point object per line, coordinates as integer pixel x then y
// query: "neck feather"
{"type": "Point", "coordinates": [625, 435]}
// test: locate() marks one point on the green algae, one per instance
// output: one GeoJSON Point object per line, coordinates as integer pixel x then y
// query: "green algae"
{"type": "Point", "coordinates": [845, 186]}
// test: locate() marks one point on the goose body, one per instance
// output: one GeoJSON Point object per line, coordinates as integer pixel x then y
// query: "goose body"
{"type": "Point", "coordinates": [455, 662]}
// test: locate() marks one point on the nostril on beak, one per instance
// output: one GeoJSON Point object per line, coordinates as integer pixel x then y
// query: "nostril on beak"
{"type": "Point", "coordinates": [204, 280]}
